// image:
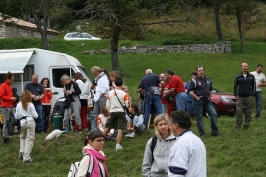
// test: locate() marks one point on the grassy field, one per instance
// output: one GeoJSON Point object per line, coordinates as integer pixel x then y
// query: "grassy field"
{"type": "Point", "coordinates": [233, 154]}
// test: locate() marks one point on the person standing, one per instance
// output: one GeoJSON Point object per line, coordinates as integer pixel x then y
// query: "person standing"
{"type": "Point", "coordinates": [116, 100]}
{"type": "Point", "coordinates": [244, 91]}
{"type": "Point", "coordinates": [26, 113]}
{"type": "Point", "coordinates": [152, 95]}
{"type": "Point", "coordinates": [260, 82]}
{"type": "Point", "coordinates": [7, 105]}
{"type": "Point", "coordinates": [200, 89]}
{"type": "Point", "coordinates": [177, 89]}
{"type": "Point", "coordinates": [71, 92]}
{"type": "Point", "coordinates": [188, 154]}
{"type": "Point", "coordinates": [157, 149]}
{"type": "Point", "coordinates": [37, 93]}
{"type": "Point", "coordinates": [46, 102]}
{"type": "Point", "coordinates": [190, 107]}
{"type": "Point", "coordinates": [101, 88]}
{"type": "Point", "coordinates": [85, 93]}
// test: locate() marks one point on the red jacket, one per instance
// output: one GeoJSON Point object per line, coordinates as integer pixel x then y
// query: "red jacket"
{"type": "Point", "coordinates": [6, 94]}
{"type": "Point", "coordinates": [47, 97]}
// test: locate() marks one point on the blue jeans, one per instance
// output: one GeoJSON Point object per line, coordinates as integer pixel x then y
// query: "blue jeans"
{"type": "Point", "coordinates": [181, 99]}
{"type": "Point", "coordinates": [258, 103]}
{"type": "Point", "coordinates": [150, 100]}
{"type": "Point", "coordinates": [39, 124]}
{"type": "Point", "coordinates": [207, 105]}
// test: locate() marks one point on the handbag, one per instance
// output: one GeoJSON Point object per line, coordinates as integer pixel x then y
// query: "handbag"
{"type": "Point", "coordinates": [66, 103]}
{"type": "Point", "coordinates": [124, 107]}
{"type": "Point", "coordinates": [170, 98]}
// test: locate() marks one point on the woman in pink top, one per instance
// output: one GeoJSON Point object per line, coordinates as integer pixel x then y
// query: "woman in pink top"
{"type": "Point", "coordinates": [94, 143]}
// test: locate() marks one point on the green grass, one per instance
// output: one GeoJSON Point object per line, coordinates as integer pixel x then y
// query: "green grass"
{"type": "Point", "coordinates": [233, 154]}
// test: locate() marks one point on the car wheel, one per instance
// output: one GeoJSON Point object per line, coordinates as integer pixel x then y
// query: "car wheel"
{"type": "Point", "coordinates": [216, 110]}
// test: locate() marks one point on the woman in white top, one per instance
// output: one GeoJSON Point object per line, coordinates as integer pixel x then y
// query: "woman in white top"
{"type": "Point", "coordinates": [26, 113]}
{"type": "Point", "coordinates": [85, 93]}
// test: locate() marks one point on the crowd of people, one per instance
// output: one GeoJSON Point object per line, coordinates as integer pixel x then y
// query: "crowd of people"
{"type": "Point", "coordinates": [114, 115]}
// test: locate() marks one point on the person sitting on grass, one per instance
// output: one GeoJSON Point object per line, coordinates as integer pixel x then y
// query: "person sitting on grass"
{"type": "Point", "coordinates": [134, 121]}
{"type": "Point", "coordinates": [102, 118]}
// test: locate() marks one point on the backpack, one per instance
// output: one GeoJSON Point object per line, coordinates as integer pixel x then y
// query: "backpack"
{"type": "Point", "coordinates": [73, 171]}
{"type": "Point", "coordinates": [153, 144]}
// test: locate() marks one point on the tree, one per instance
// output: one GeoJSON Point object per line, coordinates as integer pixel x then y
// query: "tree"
{"type": "Point", "coordinates": [126, 17]}
{"type": "Point", "coordinates": [217, 4]}
{"type": "Point", "coordinates": [39, 9]}
{"type": "Point", "coordinates": [246, 13]}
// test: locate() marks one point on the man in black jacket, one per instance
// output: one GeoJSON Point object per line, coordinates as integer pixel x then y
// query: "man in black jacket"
{"type": "Point", "coordinates": [244, 91]}
{"type": "Point", "coordinates": [200, 90]}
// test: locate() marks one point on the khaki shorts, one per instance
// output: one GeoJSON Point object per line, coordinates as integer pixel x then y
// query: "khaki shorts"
{"type": "Point", "coordinates": [117, 120]}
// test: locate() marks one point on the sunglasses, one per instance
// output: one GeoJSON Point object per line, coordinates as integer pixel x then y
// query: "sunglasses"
{"type": "Point", "coordinates": [100, 140]}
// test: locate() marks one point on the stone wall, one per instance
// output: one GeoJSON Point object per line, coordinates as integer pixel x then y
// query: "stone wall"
{"type": "Point", "coordinates": [220, 47]}
{"type": "Point", "coordinates": [10, 31]}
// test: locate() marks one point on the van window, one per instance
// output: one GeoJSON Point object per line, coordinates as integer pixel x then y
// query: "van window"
{"type": "Point", "coordinates": [28, 72]}
{"type": "Point", "coordinates": [57, 73]}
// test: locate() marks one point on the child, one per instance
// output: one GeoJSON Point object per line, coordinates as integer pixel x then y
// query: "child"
{"type": "Point", "coordinates": [101, 121]}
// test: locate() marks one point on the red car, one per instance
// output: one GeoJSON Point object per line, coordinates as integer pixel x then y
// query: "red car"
{"type": "Point", "coordinates": [223, 103]}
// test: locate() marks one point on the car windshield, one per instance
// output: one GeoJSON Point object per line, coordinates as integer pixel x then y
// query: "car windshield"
{"type": "Point", "coordinates": [85, 35]}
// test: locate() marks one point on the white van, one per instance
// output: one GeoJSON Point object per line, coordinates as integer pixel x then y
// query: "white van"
{"type": "Point", "coordinates": [26, 62]}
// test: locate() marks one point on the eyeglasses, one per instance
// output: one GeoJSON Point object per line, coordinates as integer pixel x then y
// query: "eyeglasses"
{"type": "Point", "coordinates": [100, 140]}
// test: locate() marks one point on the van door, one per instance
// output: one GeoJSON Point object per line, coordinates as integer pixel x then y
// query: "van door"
{"type": "Point", "coordinates": [56, 86]}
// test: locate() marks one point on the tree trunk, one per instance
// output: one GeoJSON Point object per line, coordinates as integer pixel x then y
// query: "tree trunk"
{"type": "Point", "coordinates": [114, 49]}
{"type": "Point", "coordinates": [240, 31]}
{"type": "Point", "coordinates": [41, 24]}
{"type": "Point", "coordinates": [217, 19]}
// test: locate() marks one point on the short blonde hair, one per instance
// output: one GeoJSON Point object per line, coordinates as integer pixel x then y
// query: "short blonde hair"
{"type": "Point", "coordinates": [96, 68]}
{"type": "Point", "coordinates": [64, 77]}
{"type": "Point", "coordinates": [160, 118]}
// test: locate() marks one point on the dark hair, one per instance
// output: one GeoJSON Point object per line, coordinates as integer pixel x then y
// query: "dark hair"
{"type": "Point", "coordinates": [169, 71]}
{"type": "Point", "coordinates": [92, 136]}
{"type": "Point", "coordinates": [135, 107]}
{"type": "Point", "coordinates": [78, 75]}
{"type": "Point", "coordinates": [194, 73]}
{"type": "Point", "coordinates": [259, 65]}
{"type": "Point", "coordinates": [48, 83]}
{"type": "Point", "coordinates": [14, 90]}
{"type": "Point", "coordinates": [118, 81]}
{"type": "Point", "coordinates": [9, 75]}
{"type": "Point", "coordinates": [182, 119]}
{"type": "Point", "coordinates": [106, 72]}
{"type": "Point", "coordinates": [200, 66]}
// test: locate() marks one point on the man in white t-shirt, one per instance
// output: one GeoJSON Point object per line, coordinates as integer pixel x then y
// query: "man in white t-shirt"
{"type": "Point", "coordinates": [260, 82]}
{"type": "Point", "coordinates": [116, 100]}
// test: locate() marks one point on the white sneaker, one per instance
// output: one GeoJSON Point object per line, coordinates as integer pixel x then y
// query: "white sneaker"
{"type": "Point", "coordinates": [129, 133]}
{"type": "Point", "coordinates": [118, 148]}
{"type": "Point", "coordinates": [132, 135]}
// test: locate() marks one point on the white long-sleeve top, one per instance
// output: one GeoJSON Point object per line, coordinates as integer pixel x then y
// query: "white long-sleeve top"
{"type": "Point", "coordinates": [30, 112]}
{"type": "Point", "coordinates": [85, 89]}
{"type": "Point", "coordinates": [102, 87]}
{"type": "Point", "coordinates": [187, 157]}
